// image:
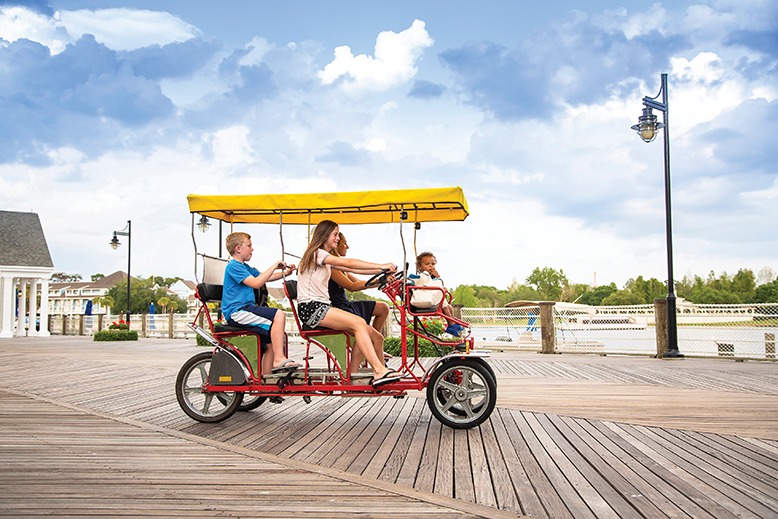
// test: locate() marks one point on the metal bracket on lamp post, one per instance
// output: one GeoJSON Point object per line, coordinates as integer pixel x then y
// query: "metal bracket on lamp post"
{"type": "Point", "coordinates": [646, 128]}
{"type": "Point", "coordinates": [115, 244]}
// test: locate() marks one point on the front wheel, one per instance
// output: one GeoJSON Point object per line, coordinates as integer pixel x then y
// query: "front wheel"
{"type": "Point", "coordinates": [195, 401]}
{"type": "Point", "coordinates": [462, 393]}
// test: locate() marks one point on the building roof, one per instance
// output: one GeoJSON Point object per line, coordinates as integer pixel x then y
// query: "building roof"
{"type": "Point", "coordinates": [106, 282]}
{"type": "Point", "coordinates": [22, 242]}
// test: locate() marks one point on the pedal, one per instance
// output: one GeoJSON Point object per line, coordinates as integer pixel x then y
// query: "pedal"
{"type": "Point", "coordinates": [307, 399]}
{"type": "Point", "coordinates": [275, 399]}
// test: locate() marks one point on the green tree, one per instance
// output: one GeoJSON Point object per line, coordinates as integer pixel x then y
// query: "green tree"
{"type": "Point", "coordinates": [744, 285]}
{"type": "Point", "coordinates": [622, 297]}
{"type": "Point", "coordinates": [465, 295]}
{"type": "Point", "coordinates": [106, 301]}
{"type": "Point", "coordinates": [548, 282]}
{"type": "Point", "coordinates": [64, 277]}
{"type": "Point", "coordinates": [163, 301]}
{"type": "Point", "coordinates": [141, 292]}
{"type": "Point", "coordinates": [646, 290]}
{"type": "Point", "coordinates": [595, 296]}
{"type": "Point", "coordinates": [709, 295]}
{"type": "Point", "coordinates": [766, 293]}
{"type": "Point", "coordinates": [97, 277]}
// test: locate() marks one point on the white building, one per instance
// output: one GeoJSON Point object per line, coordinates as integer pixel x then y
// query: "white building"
{"type": "Point", "coordinates": [25, 270]}
{"type": "Point", "coordinates": [72, 297]}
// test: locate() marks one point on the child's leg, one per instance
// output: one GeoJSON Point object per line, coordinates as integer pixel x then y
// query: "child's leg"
{"type": "Point", "coordinates": [448, 313]}
{"type": "Point", "coordinates": [277, 338]}
{"type": "Point", "coordinates": [267, 360]}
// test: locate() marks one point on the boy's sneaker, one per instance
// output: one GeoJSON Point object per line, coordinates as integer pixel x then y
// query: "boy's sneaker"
{"type": "Point", "coordinates": [454, 329]}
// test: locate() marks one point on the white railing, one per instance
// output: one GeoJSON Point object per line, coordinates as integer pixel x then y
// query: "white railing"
{"type": "Point", "coordinates": [741, 331]}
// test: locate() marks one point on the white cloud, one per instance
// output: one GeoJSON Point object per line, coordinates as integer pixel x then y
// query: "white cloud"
{"type": "Point", "coordinates": [18, 22]}
{"type": "Point", "coordinates": [118, 29]}
{"type": "Point", "coordinates": [394, 62]}
{"type": "Point", "coordinates": [127, 29]}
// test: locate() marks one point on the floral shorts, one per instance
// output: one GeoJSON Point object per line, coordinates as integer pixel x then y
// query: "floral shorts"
{"type": "Point", "coordinates": [312, 312]}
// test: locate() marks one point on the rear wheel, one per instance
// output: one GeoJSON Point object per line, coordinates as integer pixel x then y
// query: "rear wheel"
{"type": "Point", "coordinates": [212, 406]}
{"type": "Point", "coordinates": [462, 393]}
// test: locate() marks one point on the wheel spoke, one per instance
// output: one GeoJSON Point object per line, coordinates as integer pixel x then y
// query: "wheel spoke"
{"type": "Point", "coordinates": [468, 408]}
{"type": "Point", "coordinates": [450, 386]}
{"type": "Point", "coordinates": [203, 373]}
{"type": "Point", "coordinates": [207, 402]}
{"type": "Point", "coordinates": [449, 402]}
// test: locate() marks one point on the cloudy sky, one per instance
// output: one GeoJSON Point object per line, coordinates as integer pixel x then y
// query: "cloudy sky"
{"type": "Point", "coordinates": [115, 110]}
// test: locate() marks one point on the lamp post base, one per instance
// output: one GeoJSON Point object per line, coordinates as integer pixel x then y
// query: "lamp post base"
{"type": "Point", "coordinates": [672, 354]}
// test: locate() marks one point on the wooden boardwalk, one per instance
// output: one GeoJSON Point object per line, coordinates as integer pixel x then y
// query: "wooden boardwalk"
{"type": "Point", "coordinates": [573, 436]}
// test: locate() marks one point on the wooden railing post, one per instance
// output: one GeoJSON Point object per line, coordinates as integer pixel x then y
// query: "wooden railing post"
{"type": "Point", "coordinates": [170, 325]}
{"type": "Point", "coordinates": [143, 324]}
{"type": "Point", "coordinates": [769, 345]}
{"type": "Point", "coordinates": [660, 321]}
{"type": "Point", "coordinates": [547, 331]}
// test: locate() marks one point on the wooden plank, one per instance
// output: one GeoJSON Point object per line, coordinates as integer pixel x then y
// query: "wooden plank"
{"type": "Point", "coordinates": [424, 472]}
{"type": "Point", "coordinates": [397, 421]}
{"type": "Point", "coordinates": [669, 473]}
{"type": "Point", "coordinates": [463, 473]}
{"type": "Point", "coordinates": [482, 480]}
{"type": "Point", "coordinates": [444, 468]}
{"type": "Point", "coordinates": [408, 448]}
{"type": "Point", "coordinates": [628, 476]}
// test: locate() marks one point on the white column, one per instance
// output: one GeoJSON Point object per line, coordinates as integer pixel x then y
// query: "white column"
{"type": "Point", "coordinates": [21, 331]}
{"type": "Point", "coordinates": [44, 331]}
{"type": "Point", "coordinates": [6, 331]}
{"type": "Point", "coordinates": [33, 308]}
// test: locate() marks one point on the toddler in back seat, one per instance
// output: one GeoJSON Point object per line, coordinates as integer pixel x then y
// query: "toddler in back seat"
{"type": "Point", "coordinates": [426, 263]}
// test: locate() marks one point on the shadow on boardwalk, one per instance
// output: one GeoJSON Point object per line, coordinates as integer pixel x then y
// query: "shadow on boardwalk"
{"type": "Point", "coordinates": [573, 436]}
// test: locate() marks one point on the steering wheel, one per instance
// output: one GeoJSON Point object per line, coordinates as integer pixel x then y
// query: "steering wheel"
{"type": "Point", "coordinates": [381, 279]}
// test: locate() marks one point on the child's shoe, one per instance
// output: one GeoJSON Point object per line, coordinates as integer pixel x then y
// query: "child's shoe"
{"type": "Point", "coordinates": [454, 329]}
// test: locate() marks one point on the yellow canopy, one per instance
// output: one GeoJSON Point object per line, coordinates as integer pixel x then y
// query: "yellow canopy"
{"type": "Point", "coordinates": [421, 205]}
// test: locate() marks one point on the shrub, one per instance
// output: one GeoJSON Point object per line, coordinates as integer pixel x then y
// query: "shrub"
{"type": "Point", "coordinates": [121, 325]}
{"type": "Point", "coordinates": [393, 345]}
{"type": "Point", "coordinates": [116, 335]}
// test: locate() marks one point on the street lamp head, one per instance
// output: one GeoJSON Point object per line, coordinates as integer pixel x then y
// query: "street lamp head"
{"type": "Point", "coordinates": [203, 224]}
{"type": "Point", "coordinates": [115, 242]}
{"type": "Point", "coordinates": [647, 125]}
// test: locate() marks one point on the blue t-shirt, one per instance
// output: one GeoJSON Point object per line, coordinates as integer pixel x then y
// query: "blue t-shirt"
{"type": "Point", "coordinates": [236, 294]}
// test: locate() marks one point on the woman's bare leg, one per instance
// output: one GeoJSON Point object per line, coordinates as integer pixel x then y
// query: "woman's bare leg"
{"type": "Point", "coordinates": [380, 314]}
{"type": "Point", "coordinates": [340, 320]}
{"type": "Point", "coordinates": [378, 346]}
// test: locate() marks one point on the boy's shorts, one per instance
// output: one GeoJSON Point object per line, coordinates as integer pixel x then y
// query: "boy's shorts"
{"type": "Point", "coordinates": [254, 317]}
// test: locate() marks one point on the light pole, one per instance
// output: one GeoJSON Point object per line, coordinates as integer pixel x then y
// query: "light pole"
{"type": "Point", "coordinates": [127, 231]}
{"type": "Point", "coordinates": [647, 128]}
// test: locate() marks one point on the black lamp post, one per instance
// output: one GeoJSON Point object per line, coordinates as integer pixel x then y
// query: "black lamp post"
{"type": "Point", "coordinates": [647, 128]}
{"type": "Point", "coordinates": [127, 231]}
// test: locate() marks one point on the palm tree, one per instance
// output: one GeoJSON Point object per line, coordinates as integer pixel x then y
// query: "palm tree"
{"type": "Point", "coordinates": [106, 302]}
{"type": "Point", "coordinates": [163, 302]}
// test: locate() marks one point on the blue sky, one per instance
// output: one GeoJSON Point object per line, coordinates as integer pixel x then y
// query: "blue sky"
{"type": "Point", "coordinates": [116, 110]}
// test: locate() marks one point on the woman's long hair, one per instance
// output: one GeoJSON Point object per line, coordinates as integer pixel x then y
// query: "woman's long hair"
{"type": "Point", "coordinates": [320, 235]}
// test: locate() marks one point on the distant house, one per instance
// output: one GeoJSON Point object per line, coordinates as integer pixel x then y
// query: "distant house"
{"type": "Point", "coordinates": [25, 270]}
{"type": "Point", "coordinates": [185, 289]}
{"type": "Point", "coordinates": [72, 297]}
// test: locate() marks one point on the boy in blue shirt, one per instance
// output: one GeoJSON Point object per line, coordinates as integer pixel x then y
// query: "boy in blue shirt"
{"type": "Point", "coordinates": [240, 308]}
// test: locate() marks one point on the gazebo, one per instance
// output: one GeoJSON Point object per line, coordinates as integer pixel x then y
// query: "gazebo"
{"type": "Point", "coordinates": [25, 270]}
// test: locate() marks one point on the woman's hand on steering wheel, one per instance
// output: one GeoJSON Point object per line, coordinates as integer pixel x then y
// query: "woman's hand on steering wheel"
{"type": "Point", "coordinates": [382, 279]}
